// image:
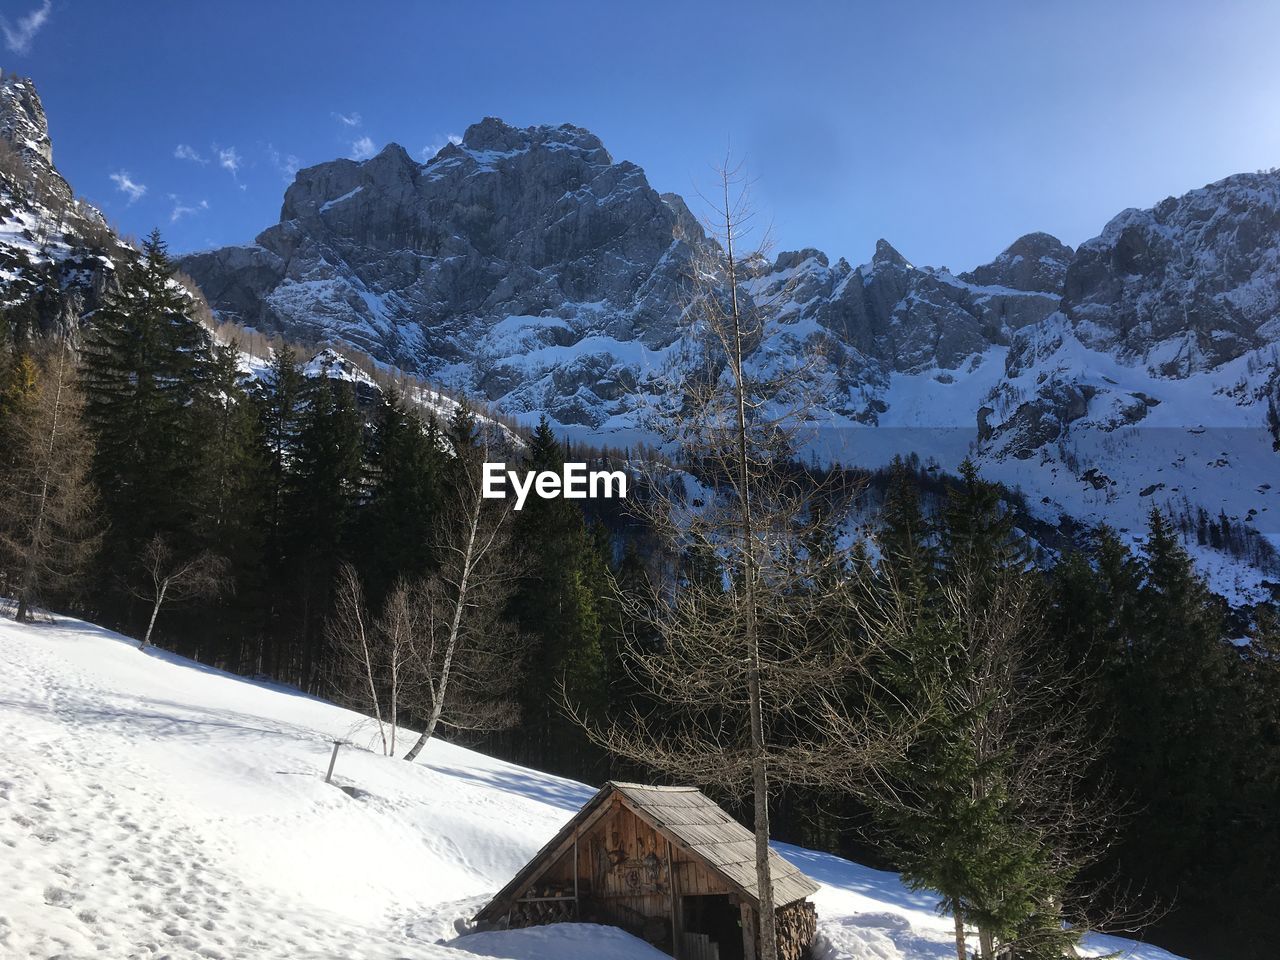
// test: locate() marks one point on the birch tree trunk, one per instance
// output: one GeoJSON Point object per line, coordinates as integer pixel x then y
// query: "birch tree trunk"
{"type": "Point", "coordinates": [440, 686]}
{"type": "Point", "coordinates": [155, 612]}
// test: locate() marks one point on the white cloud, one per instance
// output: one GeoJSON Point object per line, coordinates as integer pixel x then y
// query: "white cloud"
{"type": "Point", "coordinates": [348, 119]}
{"type": "Point", "coordinates": [181, 210]}
{"type": "Point", "coordinates": [287, 164]}
{"type": "Point", "coordinates": [185, 151]}
{"type": "Point", "coordinates": [362, 149]}
{"type": "Point", "coordinates": [229, 160]}
{"type": "Point", "coordinates": [431, 149]}
{"type": "Point", "coordinates": [127, 185]}
{"type": "Point", "coordinates": [18, 36]}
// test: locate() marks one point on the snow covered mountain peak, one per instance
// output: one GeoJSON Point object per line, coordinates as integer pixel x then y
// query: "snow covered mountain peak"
{"type": "Point", "coordinates": [494, 136]}
{"type": "Point", "coordinates": [1188, 285]}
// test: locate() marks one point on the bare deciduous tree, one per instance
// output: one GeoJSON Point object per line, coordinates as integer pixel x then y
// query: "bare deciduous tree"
{"type": "Point", "coordinates": [465, 653]}
{"type": "Point", "coordinates": [167, 578]}
{"type": "Point", "coordinates": [748, 671]}
{"type": "Point", "coordinates": [48, 504]}
{"type": "Point", "coordinates": [440, 649]}
{"type": "Point", "coordinates": [359, 655]}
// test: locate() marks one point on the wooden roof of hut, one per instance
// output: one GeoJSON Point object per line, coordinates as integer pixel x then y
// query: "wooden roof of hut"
{"type": "Point", "coordinates": [689, 820]}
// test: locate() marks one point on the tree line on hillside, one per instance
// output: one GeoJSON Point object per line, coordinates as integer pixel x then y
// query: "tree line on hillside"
{"type": "Point", "coordinates": [1048, 746]}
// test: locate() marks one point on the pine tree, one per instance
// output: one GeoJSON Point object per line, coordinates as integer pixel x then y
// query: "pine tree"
{"type": "Point", "coordinates": [1175, 726]}
{"type": "Point", "coordinates": [973, 808]}
{"type": "Point", "coordinates": [146, 370]}
{"type": "Point", "coordinates": [279, 398]}
{"type": "Point", "coordinates": [405, 476]}
{"type": "Point", "coordinates": [231, 511]}
{"type": "Point", "coordinates": [558, 607]}
{"type": "Point", "coordinates": [323, 494]}
{"type": "Point", "coordinates": [904, 532]}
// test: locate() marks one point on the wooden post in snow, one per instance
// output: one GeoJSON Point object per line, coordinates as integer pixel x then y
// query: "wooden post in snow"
{"type": "Point", "coordinates": [333, 758]}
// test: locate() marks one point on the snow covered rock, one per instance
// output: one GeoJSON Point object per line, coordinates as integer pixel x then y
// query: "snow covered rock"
{"type": "Point", "coordinates": [424, 264]}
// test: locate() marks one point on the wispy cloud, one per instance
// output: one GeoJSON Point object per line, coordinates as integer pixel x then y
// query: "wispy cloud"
{"type": "Point", "coordinates": [431, 149]}
{"type": "Point", "coordinates": [128, 186]}
{"type": "Point", "coordinates": [18, 35]}
{"type": "Point", "coordinates": [228, 160]}
{"type": "Point", "coordinates": [185, 151]}
{"type": "Point", "coordinates": [348, 119]}
{"type": "Point", "coordinates": [286, 163]}
{"type": "Point", "coordinates": [362, 149]}
{"type": "Point", "coordinates": [181, 209]}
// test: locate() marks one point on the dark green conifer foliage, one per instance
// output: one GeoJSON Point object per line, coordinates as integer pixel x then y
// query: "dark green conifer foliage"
{"type": "Point", "coordinates": [231, 511]}
{"type": "Point", "coordinates": [963, 824]}
{"type": "Point", "coordinates": [324, 492]}
{"type": "Point", "coordinates": [406, 469]}
{"type": "Point", "coordinates": [560, 608]}
{"type": "Point", "coordinates": [147, 369]}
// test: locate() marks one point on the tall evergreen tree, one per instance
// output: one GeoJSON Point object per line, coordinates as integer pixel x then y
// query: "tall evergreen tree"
{"type": "Point", "coordinates": [147, 364]}
{"type": "Point", "coordinates": [559, 609]}
{"type": "Point", "coordinates": [973, 810]}
{"type": "Point", "coordinates": [231, 511]}
{"type": "Point", "coordinates": [406, 470]}
{"type": "Point", "coordinates": [323, 494]}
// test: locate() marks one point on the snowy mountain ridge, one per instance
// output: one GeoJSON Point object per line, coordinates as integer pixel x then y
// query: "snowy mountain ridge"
{"type": "Point", "coordinates": [528, 269]}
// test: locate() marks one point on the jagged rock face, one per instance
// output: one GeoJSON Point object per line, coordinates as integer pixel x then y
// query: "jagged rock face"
{"type": "Point", "coordinates": [899, 317]}
{"type": "Point", "coordinates": [422, 264]}
{"type": "Point", "coordinates": [1187, 285]}
{"type": "Point", "coordinates": [1035, 263]}
{"type": "Point", "coordinates": [22, 120]}
{"type": "Point", "coordinates": [56, 252]}
{"type": "Point", "coordinates": [529, 267]}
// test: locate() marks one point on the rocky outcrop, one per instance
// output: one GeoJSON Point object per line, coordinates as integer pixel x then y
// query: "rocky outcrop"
{"type": "Point", "coordinates": [423, 264]}
{"type": "Point", "coordinates": [56, 253]}
{"type": "Point", "coordinates": [1185, 286]}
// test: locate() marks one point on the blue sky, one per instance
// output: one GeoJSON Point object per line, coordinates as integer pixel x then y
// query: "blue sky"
{"type": "Point", "coordinates": [948, 128]}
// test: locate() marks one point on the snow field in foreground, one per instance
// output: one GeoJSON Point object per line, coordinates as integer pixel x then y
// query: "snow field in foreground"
{"type": "Point", "coordinates": [151, 807]}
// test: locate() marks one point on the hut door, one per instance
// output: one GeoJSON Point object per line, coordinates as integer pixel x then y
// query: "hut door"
{"type": "Point", "coordinates": [712, 928]}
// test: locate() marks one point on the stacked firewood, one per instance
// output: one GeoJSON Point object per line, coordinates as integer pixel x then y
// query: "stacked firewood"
{"type": "Point", "coordinates": [797, 926]}
{"type": "Point", "coordinates": [547, 903]}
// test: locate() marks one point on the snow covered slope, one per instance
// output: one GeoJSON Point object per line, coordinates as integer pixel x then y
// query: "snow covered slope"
{"type": "Point", "coordinates": [152, 807]}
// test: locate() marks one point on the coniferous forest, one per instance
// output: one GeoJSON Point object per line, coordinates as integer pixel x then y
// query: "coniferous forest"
{"type": "Point", "coordinates": [1088, 735]}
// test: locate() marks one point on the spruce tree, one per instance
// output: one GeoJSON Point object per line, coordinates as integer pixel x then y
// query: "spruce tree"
{"type": "Point", "coordinates": [405, 475]}
{"type": "Point", "coordinates": [559, 609]}
{"type": "Point", "coordinates": [147, 362]}
{"type": "Point", "coordinates": [323, 495]}
{"type": "Point", "coordinates": [971, 809]}
{"type": "Point", "coordinates": [230, 513]}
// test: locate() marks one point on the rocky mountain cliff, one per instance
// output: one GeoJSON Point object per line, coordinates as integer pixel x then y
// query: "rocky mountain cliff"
{"type": "Point", "coordinates": [59, 257]}
{"type": "Point", "coordinates": [56, 252]}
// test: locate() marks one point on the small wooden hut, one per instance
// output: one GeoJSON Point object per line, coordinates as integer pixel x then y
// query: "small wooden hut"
{"type": "Point", "coordinates": [666, 864]}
